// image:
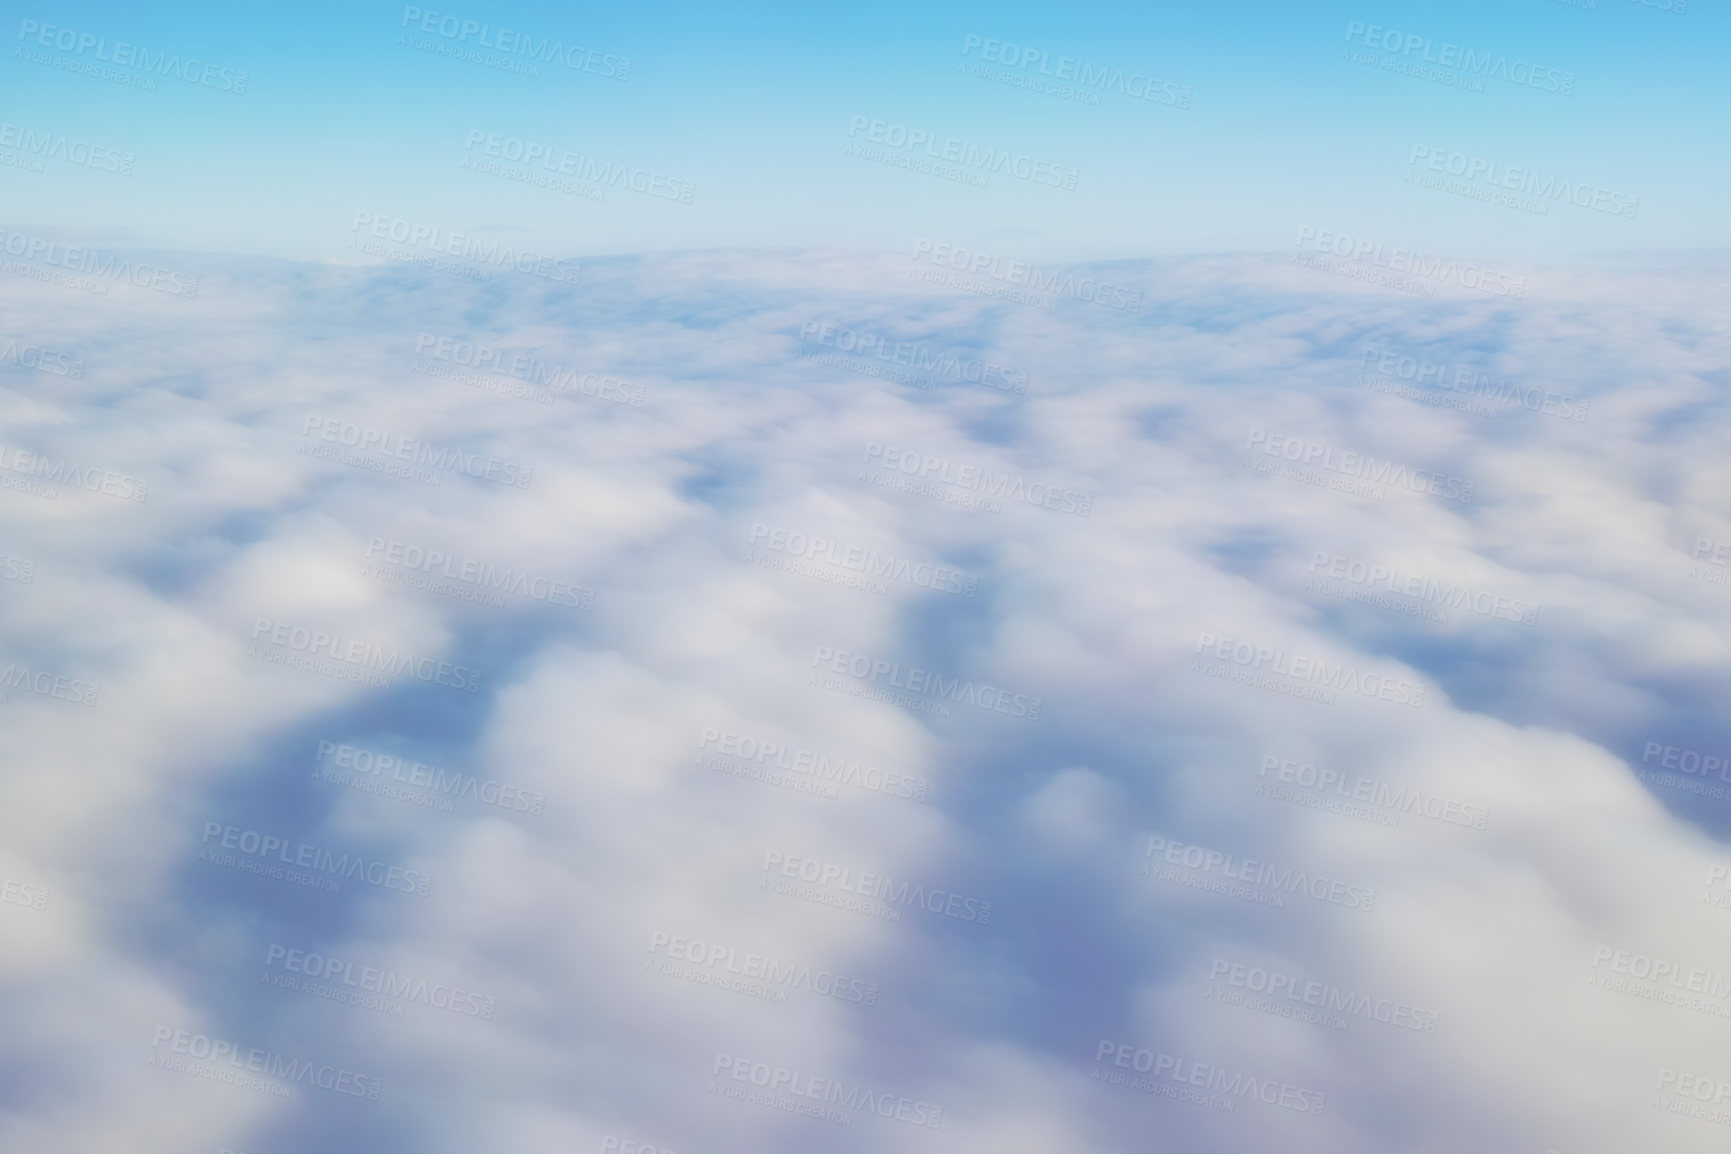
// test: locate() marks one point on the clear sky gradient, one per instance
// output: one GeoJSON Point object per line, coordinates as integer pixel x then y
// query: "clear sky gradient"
{"type": "Point", "coordinates": [751, 108]}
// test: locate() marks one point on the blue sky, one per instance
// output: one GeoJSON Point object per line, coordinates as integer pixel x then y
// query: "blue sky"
{"type": "Point", "coordinates": [753, 107]}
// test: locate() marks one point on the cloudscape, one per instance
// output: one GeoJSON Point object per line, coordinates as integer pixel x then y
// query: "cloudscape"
{"type": "Point", "coordinates": [998, 581]}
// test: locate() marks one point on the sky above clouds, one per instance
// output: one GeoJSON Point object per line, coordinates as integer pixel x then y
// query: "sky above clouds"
{"type": "Point", "coordinates": [817, 645]}
{"type": "Point", "coordinates": [1138, 129]}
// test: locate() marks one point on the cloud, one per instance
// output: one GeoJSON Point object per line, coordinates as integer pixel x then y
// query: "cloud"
{"type": "Point", "coordinates": [1255, 720]}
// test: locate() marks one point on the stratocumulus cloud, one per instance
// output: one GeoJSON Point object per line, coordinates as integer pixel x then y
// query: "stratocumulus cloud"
{"type": "Point", "coordinates": [754, 700]}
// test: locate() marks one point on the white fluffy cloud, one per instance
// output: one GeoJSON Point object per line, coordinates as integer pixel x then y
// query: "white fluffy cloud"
{"type": "Point", "coordinates": [1213, 582]}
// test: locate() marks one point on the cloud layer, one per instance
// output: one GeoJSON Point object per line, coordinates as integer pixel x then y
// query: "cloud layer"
{"type": "Point", "coordinates": [775, 701]}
